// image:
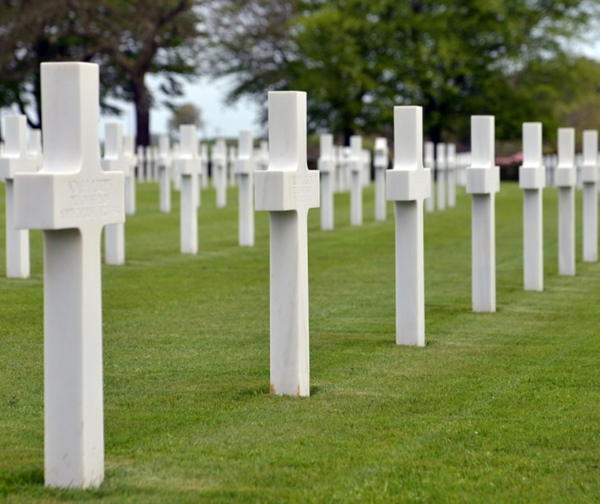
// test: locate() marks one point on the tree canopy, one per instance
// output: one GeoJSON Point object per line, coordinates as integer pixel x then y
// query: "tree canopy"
{"type": "Point", "coordinates": [358, 59]}
{"type": "Point", "coordinates": [129, 39]}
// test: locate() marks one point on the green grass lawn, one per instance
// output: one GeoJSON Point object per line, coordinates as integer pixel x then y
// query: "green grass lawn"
{"type": "Point", "coordinates": [501, 407]}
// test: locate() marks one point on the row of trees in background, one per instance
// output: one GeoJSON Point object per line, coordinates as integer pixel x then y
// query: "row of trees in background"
{"type": "Point", "coordinates": [355, 58]}
{"type": "Point", "coordinates": [358, 59]}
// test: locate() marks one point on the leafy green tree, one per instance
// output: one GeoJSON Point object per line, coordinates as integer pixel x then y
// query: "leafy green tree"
{"type": "Point", "coordinates": [358, 59]}
{"type": "Point", "coordinates": [186, 113]}
{"type": "Point", "coordinates": [129, 39]}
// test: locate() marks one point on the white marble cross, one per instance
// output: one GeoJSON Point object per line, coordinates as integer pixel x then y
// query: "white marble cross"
{"type": "Point", "coordinates": [483, 182]}
{"type": "Point", "coordinates": [408, 184]}
{"type": "Point", "coordinates": [430, 163]}
{"type": "Point", "coordinates": [589, 178]}
{"type": "Point", "coordinates": [326, 166]}
{"type": "Point", "coordinates": [34, 147]}
{"type": "Point", "coordinates": [366, 167]}
{"type": "Point", "coordinates": [451, 174]}
{"type": "Point", "coordinates": [440, 167]}
{"type": "Point", "coordinates": [231, 159]}
{"type": "Point", "coordinates": [564, 178]}
{"type": "Point", "coordinates": [141, 165]}
{"type": "Point", "coordinates": [149, 155]}
{"type": "Point", "coordinates": [219, 172]}
{"type": "Point", "coordinates": [356, 176]}
{"type": "Point", "coordinates": [114, 161]}
{"type": "Point", "coordinates": [380, 163]}
{"type": "Point", "coordinates": [188, 166]}
{"type": "Point", "coordinates": [165, 163]}
{"type": "Point", "coordinates": [71, 199]}
{"type": "Point", "coordinates": [245, 166]}
{"type": "Point", "coordinates": [262, 157]}
{"type": "Point", "coordinates": [204, 162]}
{"type": "Point", "coordinates": [14, 161]}
{"type": "Point", "coordinates": [532, 176]}
{"type": "Point", "coordinates": [128, 148]}
{"type": "Point", "coordinates": [287, 189]}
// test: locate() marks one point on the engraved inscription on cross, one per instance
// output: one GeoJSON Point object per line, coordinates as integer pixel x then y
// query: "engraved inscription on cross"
{"type": "Point", "coordinates": [71, 198]}
{"type": "Point", "coordinates": [287, 189]}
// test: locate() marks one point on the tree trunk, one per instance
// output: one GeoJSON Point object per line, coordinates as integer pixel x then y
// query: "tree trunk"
{"type": "Point", "coordinates": [141, 98]}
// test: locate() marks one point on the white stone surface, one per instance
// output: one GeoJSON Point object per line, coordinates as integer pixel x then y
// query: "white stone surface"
{"type": "Point", "coordinates": [380, 163]}
{"type": "Point", "coordinates": [326, 166]}
{"type": "Point", "coordinates": [34, 147]}
{"type": "Point", "coordinates": [245, 166]}
{"type": "Point", "coordinates": [366, 167]}
{"type": "Point", "coordinates": [408, 184]}
{"type": "Point", "coordinates": [262, 156]}
{"type": "Point", "coordinates": [188, 166]}
{"type": "Point", "coordinates": [141, 164]}
{"type": "Point", "coordinates": [532, 176]}
{"type": "Point", "coordinates": [356, 175]}
{"type": "Point", "coordinates": [451, 174]}
{"type": "Point", "coordinates": [128, 152]}
{"type": "Point", "coordinates": [440, 168]}
{"type": "Point", "coordinates": [589, 179]}
{"type": "Point", "coordinates": [231, 159]}
{"type": "Point", "coordinates": [564, 178]}
{"type": "Point", "coordinates": [16, 160]}
{"type": "Point", "coordinates": [204, 162]}
{"type": "Point", "coordinates": [165, 164]}
{"type": "Point", "coordinates": [287, 189]}
{"type": "Point", "coordinates": [71, 199]}
{"type": "Point", "coordinates": [114, 161]}
{"type": "Point", "coordinates": [219, 166]}
{"type": "Point", "coordinates": [483, 181]}
{"type": "Point", "coordinates": [430, 163]}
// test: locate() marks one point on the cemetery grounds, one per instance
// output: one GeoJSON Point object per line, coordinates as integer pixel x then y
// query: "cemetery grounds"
{"type": "Point", "coordinates": [497, 407]}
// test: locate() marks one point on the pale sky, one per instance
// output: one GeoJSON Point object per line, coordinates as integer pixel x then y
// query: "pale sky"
{"type": "Point", "coordinates": [209, 96]}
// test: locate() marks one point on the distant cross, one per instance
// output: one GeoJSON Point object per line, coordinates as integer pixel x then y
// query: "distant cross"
{"type": "Point", "coordinates": [141, 164]}
{"type": "Point", "coordinates": [440, 166]}
{"type": "Point", "coordinates": [589, 178]}
{"type": "Point", "coordinates": [71, 199]}
{"type": "Point", "coordinates": [451, 174]}
{"type": "Point", "coordinates": [381, 163]}
{"type": "Point", "coordinates": [429, 162]}
{"type": "Point", "coordinates": [356, 175]}
{"type": "Point", "coordinates": [128, 148]}
{"type": "Point", "coordinates": [565, 181]}
{"type": "Point", "coordinates": [165, 163]}
{"type": "Point", "coordinates": [16, 160]}
{"type": "Point", "coordinates": [532, 181]}
{"type": "Point", "coordinates": [244, 169]}
{"type": "Point", "coordinates": [219, 159]}
{"type": "Point", "coordinates": [326, 166]}
{"type": "Point", "coordinates": [231, 158]}
{"type": "Point", "coordinates": [187, 166]}
{"type": "Point", "coordinates": [287, 189]}
{"type": "Point", "coordinates": [34, 147]}
{"type": "Point", "coordinates": [483, 182]}
{"type": "Point", "coordinates": [408, 184]}
{"type": "Point", "coordinates": [115, 161]}
{"type": "Point", "coordinates": [204, 164]}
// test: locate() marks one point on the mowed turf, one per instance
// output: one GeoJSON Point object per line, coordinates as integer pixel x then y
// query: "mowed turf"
{"type": "Point", "coordinates": [498, 407]}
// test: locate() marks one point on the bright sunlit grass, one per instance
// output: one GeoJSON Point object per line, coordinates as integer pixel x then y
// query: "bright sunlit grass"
{"type": "Point", "coordinates": [497, 407]}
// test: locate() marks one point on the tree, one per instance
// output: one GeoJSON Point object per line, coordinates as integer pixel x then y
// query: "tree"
{"type": "Point", "coordinates": [130, 40]}
{"type": "Point", "coordinates": [358, 59]}
{"type": "Point", "coordinates": [186, 113]}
